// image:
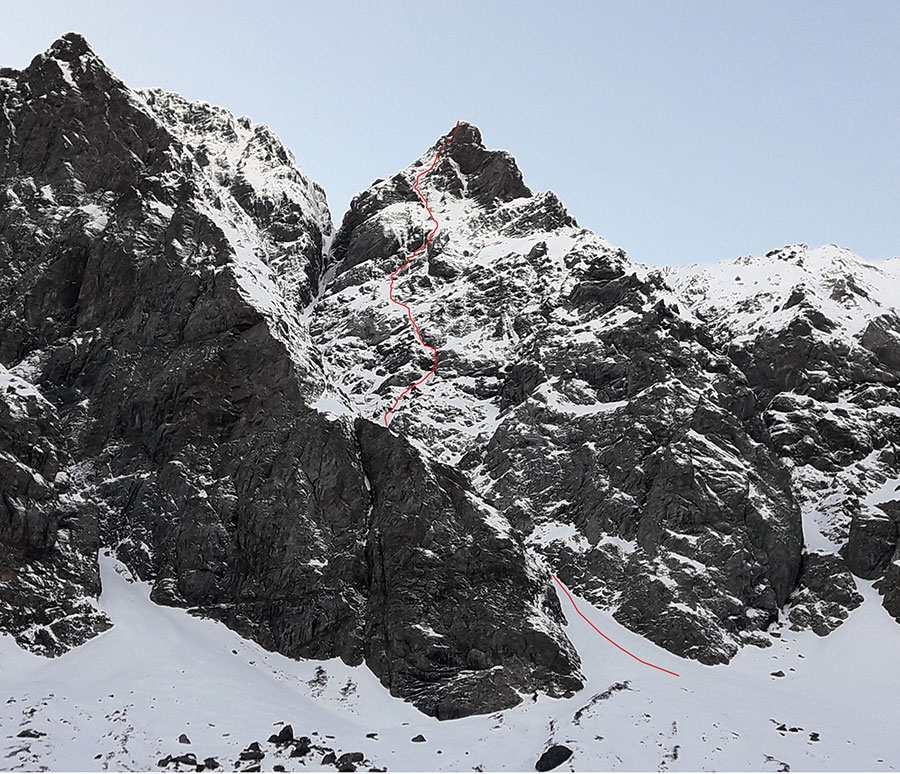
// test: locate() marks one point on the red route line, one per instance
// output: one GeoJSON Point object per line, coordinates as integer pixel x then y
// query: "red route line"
{"type": "Point", "coordinates": [646, 663]}
{"type": "Point", "coordinates": [405, 264]}
{"type": "Point", "coordinates": [387, 413]}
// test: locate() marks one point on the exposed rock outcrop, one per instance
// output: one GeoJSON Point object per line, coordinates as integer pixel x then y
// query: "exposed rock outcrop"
{"type": "Point", "coordinates": [825, 595]}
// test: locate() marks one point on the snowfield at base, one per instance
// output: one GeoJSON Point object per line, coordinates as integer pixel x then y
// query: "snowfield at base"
{"type": "Point", "coordinates": [121, 700]}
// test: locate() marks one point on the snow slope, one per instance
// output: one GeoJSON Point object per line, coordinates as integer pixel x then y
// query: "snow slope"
{"type": "Point", "coordinates": [121, 700]}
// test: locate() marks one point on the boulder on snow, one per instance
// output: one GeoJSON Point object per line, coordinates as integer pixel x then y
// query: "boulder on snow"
{"type": "Point", "coordinates": [30, 733]}
{"type": "Point", "coordinates": [283, 737]}
{"type": "Point", "coordinates": [552, 757]}
{"type": "Point", "coordinates": [252, 753]}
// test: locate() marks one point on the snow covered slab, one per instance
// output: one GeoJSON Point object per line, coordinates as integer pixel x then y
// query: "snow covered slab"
{"type": "Point", "coordinates": [122, 700]}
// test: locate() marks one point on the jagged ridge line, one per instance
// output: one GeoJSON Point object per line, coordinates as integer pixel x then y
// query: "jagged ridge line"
{"type": "Point", "coordinates": [405, 264]}
{"type": "Point", "coordinates": [608, 639]}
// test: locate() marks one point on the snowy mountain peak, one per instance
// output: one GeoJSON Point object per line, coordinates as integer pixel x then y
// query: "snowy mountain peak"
{"type": "Point", "coordinates": [835, 291]}
{"type": "Point", "coordinates": [789, 253]}
{"type": "Point", "coordinates": [501, 261]}
{"type": "Point", "coordinates": [489, 177]}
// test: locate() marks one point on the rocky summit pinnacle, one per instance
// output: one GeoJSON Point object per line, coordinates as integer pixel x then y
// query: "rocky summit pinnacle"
{"type": "Point", "coordinates": [490, 176]}
{"type": "Point", "coordinates": [193, 375]}
{"type": "Point", "coordinates": [70, 46]}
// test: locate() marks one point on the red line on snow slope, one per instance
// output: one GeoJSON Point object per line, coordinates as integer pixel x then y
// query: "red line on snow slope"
{"type": "Point", "coordinates": [646, 663]}
{"type": "Point", "coordinates": [396, 271]}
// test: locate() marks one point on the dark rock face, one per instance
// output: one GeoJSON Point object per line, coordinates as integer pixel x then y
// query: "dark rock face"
{"type": "Point", "coordinates": [30, 510]}
{"type": "Point", "coordinates": [434, 556]}
{"type": "Point", "coordinates": [691, 489]}
{"type": "Point", "coordinates": [164, 373]}
{"type": "Point", "coordinates": [882, 338]}
{"type": "Point", "coordinates": [889, 586]}
{"type": "Point", "coordinates": [158, 257]}
{"type": "Point", "coordinates": [47, 536]}
{"type": "Point", "coordinates": [493, 176]}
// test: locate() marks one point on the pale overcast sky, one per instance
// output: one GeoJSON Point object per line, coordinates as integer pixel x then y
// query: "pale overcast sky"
{"type": "Point", "coordinates": [682, 131]}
